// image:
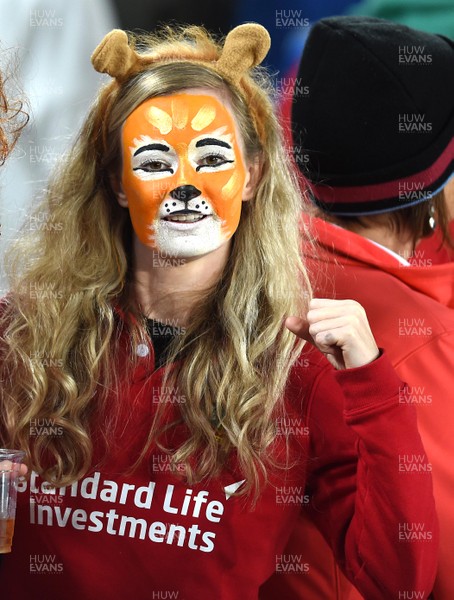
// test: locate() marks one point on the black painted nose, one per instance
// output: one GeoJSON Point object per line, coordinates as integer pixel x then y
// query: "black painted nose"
{"type": "Point", "coordinates": [185, 193]}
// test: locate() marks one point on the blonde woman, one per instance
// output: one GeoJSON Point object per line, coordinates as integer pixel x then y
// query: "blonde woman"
{"type": "Point", "coordinates": [150, 366]}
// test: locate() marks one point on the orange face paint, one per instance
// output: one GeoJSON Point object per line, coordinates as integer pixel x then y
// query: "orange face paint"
{"type": "Point", "coordinates": [183, 173]}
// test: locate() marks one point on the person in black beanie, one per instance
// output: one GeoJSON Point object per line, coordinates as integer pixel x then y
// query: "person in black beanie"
{"type": "Point", "coordinates": [374, 139]}
{"type": "Point", "coordinates": [377, 125]}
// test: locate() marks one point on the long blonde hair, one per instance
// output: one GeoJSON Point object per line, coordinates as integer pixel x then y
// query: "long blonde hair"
{"type": "Point", "coordinates": [237, 353]}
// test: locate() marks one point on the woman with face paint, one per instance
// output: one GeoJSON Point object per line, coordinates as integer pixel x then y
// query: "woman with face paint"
{"type": "Point", "coordinates": [175, 424]}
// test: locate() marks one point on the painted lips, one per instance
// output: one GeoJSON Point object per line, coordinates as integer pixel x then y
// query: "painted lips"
{"type": "Point", "coordinates": [185, 217]}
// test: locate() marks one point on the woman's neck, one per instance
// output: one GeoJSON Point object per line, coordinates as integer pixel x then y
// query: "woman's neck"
{"type": "Point", "coordinates": [167, 288]}
{"type": "Point", "coordinates": [378, 229]}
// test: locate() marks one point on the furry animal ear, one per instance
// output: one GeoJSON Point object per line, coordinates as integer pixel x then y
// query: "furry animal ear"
{"type": "Point", "coordinates": [114, 55]}
{"type": "Point", "coordinates": [245, 47]}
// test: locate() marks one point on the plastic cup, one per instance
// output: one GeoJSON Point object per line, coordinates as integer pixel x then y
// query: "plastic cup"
{"type": "Point", "coordinates": [10, 461]}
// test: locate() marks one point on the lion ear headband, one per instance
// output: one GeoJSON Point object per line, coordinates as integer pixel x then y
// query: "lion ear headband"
{"type": "Point", "coordinates": [245, 47]}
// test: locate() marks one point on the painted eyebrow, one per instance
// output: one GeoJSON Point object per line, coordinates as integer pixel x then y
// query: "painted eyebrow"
{"type": "Point", "coordinates": [162, 147]}
{"type": "Point", "coordinates": [212, 142]}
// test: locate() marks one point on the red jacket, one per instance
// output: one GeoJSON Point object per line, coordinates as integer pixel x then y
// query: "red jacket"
{"type": "Point", "coordinates": [431, 250]}
{"type": "Point", "coordinates": [148, 535]}
{"type": "Point", "coordinates": [410, 310]}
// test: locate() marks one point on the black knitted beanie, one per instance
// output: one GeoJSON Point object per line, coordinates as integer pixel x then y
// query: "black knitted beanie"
{"type": "Point", "coordinates": [377, 124]}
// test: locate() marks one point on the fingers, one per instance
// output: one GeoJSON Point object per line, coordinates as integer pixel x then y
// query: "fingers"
{"type": "Point", "coordinates": [322, 330]}
{"type": "Point", "coordinates": [7, 465]}
{"type": "Point", "coordinates": [299, 327]}
{"type": "Point", "coordinates": [327, 308]}
{"type": "Point", "coordinates": [339, 329]}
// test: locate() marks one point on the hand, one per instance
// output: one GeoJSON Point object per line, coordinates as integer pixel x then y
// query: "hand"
{"type": "Point", "coordinates": [339, 329]}
{"type": "Point", "coordinates": [20, 469]}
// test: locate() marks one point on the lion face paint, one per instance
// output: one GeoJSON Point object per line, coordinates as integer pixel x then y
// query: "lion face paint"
{"type": "Point", "coordinates": [183, 173]}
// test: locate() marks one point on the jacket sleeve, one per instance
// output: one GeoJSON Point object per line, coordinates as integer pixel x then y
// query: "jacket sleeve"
{"type": "Point", "coordinates": [380, 521]}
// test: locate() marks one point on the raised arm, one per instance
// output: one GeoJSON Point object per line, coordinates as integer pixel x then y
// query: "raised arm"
{"type": "Point", "coordinates": [379, 520]}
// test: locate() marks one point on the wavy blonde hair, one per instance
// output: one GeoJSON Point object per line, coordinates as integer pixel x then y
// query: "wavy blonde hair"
{"type": "Point", "coordinates": [236, 352]}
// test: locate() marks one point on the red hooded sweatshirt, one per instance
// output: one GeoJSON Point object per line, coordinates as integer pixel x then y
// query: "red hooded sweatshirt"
{"type": "Point", "coordinates": [147, 534]}
{"type": "Point", "coordinates": [411, 313]}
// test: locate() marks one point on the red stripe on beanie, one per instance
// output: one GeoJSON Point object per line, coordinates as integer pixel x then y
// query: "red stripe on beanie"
{"type": "Point", "coordinates": [390, 189]}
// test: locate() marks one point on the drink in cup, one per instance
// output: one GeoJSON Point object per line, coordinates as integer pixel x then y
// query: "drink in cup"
{"type": "Point", "coordinates": [10, 461]}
